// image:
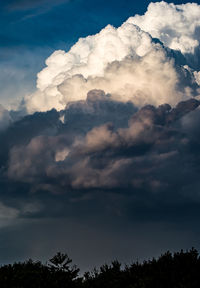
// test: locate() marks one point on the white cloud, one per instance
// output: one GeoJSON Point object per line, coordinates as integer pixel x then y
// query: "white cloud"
{"type": "Point", "coordinates": [177, 26]}
{"type": "Point", "coordinates": [143, 73]}
{"type": "Point", "coordinates": [151, 79]}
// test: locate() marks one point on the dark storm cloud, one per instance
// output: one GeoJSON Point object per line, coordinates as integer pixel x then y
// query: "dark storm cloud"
{"type": "Point", "coordinates": [136, 158]}
{"type": "Point", "coordinates": [100, 168]}
{"type": "Point", "coordinates": [48, 133]}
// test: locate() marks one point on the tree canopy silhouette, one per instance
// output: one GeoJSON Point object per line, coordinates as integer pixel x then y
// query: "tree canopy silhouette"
{"type": "Point", "coordinates": [177, 270]}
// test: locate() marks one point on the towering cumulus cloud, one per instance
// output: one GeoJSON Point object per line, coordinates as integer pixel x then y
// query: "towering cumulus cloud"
{"type": "Point", "coordinates": [150, 59]}
{"type": "Point", "coordinates": [111, 142]}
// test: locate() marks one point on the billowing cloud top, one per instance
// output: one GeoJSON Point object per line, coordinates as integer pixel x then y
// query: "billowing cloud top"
{"type": "Point", "coordinates": [177, 26]}
{"type": "Point", "coordinates": [128, 62]}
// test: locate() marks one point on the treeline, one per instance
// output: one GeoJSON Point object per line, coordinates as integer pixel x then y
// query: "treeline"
{"type": "Point", "coordinates": [178, 270]}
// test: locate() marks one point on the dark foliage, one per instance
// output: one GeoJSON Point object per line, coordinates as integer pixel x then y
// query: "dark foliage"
{"type": "Point", "coordinates": [178, 270]}
{"type": "Point", "coordinates": [57, 273]}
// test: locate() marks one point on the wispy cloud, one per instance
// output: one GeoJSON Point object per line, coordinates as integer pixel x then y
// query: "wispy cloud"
{"type": "Point", "coordinates": [23, 5]}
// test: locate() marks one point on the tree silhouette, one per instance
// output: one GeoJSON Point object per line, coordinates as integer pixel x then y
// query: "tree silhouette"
{"type": "Point", "coordinates": [61, 262]}
{"type": "Point", "coordinates": [178, 270]}
{"type": "Point", "coordinates": [64, 273]}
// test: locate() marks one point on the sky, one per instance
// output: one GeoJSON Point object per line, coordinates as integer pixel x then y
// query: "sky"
{"type": "Point", "coordinates": [99, 129]}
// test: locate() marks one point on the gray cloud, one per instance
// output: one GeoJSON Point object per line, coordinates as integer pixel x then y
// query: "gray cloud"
{"type": "Point", "coordinates": [5, 118]}
{"type": "Point", "coordinates": [128, 173]}
{"type": "Point", "coordinates": [134, 157]}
